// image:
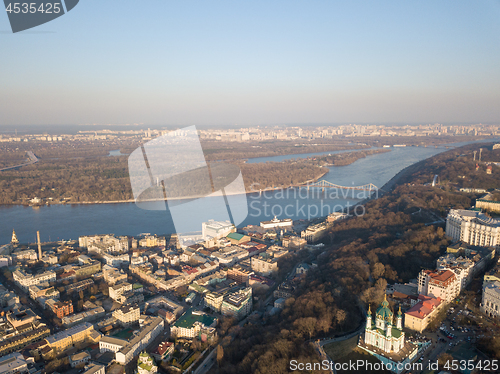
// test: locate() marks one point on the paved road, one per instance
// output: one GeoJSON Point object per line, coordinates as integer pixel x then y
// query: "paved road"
{"type": "Point", "coordinates": [207, 363]}
{"type": "Point", "coordinates": [32, 157]}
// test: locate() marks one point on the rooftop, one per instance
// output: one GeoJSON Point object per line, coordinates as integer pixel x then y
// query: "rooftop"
{"type": "Point", "coordinates": [424, 307]}
{"type": "Point", "coordinates": [191, 316]}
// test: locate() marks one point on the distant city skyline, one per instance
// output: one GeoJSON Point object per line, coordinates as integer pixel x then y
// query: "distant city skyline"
{"type": "Point", "coordinates": [258, 63]}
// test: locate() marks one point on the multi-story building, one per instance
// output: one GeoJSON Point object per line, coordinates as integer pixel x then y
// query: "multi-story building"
{"type": "Point", "coordinates": [284, 290]}
{"type": "Point", "coordinates": [26, 255]}
{"type": "Point", "coordinates": [419, 316]}
{"type": "Point", "coordinates": [490, 303]}
{"type": "Point", "coordinates": [23, 339]}
{"type": "Point", "coordinates": [335, 216]}
{"type": "Point", "coordinates": [163, 351]}
{"type": "Point", "coordinates": [13, 363]}
{"type": "Point", "coordinates": [488, 203]}
{"type": "Point", "coordinates": [61, 308]}
{"type": "Point", "coordinates": [230, 255]}
{"type": "Point", "coordinates": [461, 267]}
{"type": "Point", "coordinates": [441, 284]}
{"type": "Point", "coordinates": [264, 264]}
{"type": "Point", "coordinates": [113, 275]}
{"type": "Point", "coordinates": [314, 232]}
{"type": "Point", "coordinates": [152, 241]}
{"type": "Point", "coordinates": [213, 300]}
{"type": "Point", "coordinates": [95, 369]}
{"type": "Point", "coordinates": [79, 286]}
{"type": "Point", "coordinates": [71, 337]}
{"type": "Point", "coordinates": [25, 280]}
{"type": "Point", "coordinates": [216, 229]}
{"type": "Point", "coordinates": [237, 304]}
{"type": "Point", "coordinates": [86, 316]}
{"type": "Point", "coordinates": [87, 269]}
{"type": "Point", "coordinates": [239, 274]}
{"type": "Point", "coordinates": [473, 227]}
{"type": "Point", "coordinates": [118, 289]}
{"type": "Point", "coordinates": [294, 242]}
{"type": "Point", "coordinates": [161, 302]}
{"type": "Point", "coordinates": [116, 260]}
{"type": "Point", "coordinates": [104, 243]}
{"type": "Point", "coordinates": [193, 324]}
{"type": "Point", "coordinates": [79, 359]}
{"type": "Point", "coordinates": [111, 344]}
{"type": "Point", "coordinates": [127, 314]}
{"type": "Point", "coordinates": [151, 328]}
{"type": "Point", "coordinates": [48, 293]}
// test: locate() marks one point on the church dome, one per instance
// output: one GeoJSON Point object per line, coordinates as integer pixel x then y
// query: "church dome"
{"type": "Point", "coordinates": [383, 312]}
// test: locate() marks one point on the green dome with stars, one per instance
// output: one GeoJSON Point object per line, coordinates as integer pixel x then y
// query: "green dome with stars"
{"type": "Point", "coordinates": [383, 312]}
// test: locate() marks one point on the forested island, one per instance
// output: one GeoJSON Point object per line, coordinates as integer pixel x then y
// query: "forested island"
{"type": "Point", "coordinates": [85, 173]}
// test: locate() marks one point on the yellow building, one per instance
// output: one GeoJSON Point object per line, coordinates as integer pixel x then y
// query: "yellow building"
{"type": "Point", "coordinates": [419, 316]}
{"type": "Point", "coordinates": [71, 337]}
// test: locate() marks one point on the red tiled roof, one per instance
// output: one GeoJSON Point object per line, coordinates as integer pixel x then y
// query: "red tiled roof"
{"type": "Point", "coordinates": [424, 307]}
{"type": "Point", "coordinates": [162, 348]}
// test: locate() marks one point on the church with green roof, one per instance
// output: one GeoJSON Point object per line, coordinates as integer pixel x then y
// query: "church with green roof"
{"type": "Point", "coordinates": [384, 338]}
{"type": "Point", "coordinates": [382, 332]}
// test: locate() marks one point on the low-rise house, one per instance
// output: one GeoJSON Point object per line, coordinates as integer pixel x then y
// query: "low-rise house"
{"type": "Point", "coordinates": [79, 358]}
{"type": "Point", "coordinates": [163, 351]}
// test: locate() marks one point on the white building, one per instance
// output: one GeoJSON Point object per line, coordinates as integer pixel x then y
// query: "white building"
{"type": "Point", "coordinates": [473, 227]}
{"type": "Point", "coordinates": [13, 363]}
{"type": "Point", "coordinates": [194, 323]}
{"type": "Point", "coordinates": [461, 267]}
{"type": "Point", "coordinates": [230, 255]}
{"type": "Point", "coordinates": [490, 303]}
{"type": "Point", "coordinates": [216, 229]}
{"type": "Point", "coordinates": [119, 289]}
{"type": "Point", "coordinates": [111, 344]}
{"type": "Point", "coordinates": [25, 280]}
{"type": "Point", "coordinates": [95, 369]}
{"type": "Point", "coordinates": [238, 304]}
{"type": "Point", "coordinates": [441, 284]}
{"type": "Point", "coordinates": [146, 364]}
{"type": "Point", "coordinates": [264, 264]}
{"type": "Point", "coordinates": [277, 223]}
{"type": "Point", "coordinates": [151, 328]}
{"type": "Point", "coordinates": [104, 243]}
{"type": "Point", "coordinates": [382, 333]}
{"type": "Point", "coordinates": [116, 260]}
{"type": "Point", "coordinates": [127, 314]}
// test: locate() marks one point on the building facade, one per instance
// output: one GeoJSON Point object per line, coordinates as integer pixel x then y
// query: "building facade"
{"type": "Point", "coordinates": [441, 284]}
{"type": "Point", "coordinates": [473, 227]}
{"type": "Point", "coordinates": [419, 316]}
{"type": "Point", "coordinates": [381, 332]}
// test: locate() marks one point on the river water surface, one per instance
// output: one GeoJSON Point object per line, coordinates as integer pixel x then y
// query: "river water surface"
{"type": "Point", "coordinates": [70, 221]}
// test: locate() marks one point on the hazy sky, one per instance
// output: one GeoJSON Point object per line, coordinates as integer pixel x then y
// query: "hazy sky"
{"type": "Point", "coordinates": [255, 62]}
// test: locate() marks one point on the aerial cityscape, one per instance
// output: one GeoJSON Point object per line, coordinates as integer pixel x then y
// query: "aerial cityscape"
{"type": "Point", "coordinates": [265, 187]}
